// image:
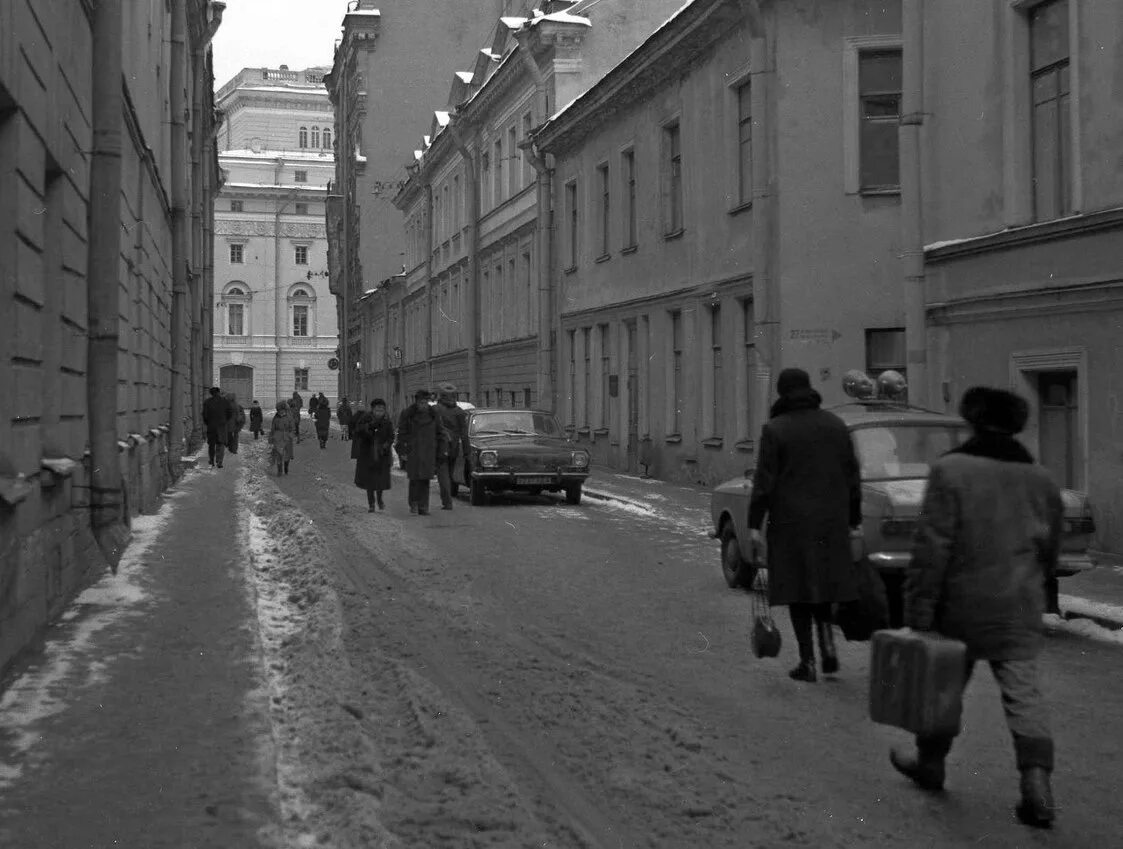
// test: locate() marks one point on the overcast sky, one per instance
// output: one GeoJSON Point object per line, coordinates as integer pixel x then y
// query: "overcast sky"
{"type": "Point", "coordinates": [270, 33]}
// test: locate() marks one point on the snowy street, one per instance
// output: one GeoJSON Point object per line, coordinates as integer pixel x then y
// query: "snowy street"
{"type": "Point", "coordinates": [526, 674]}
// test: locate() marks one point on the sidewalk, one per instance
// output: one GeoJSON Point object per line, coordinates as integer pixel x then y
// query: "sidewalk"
{"type": "Point", "coordinates": [1095, 595]}
{"type": "Point", "coordinates": [143, 724]}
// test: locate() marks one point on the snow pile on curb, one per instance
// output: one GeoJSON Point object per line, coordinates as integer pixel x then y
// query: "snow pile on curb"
{"type": "Point", "coordinates": [327, 792]}
{"type": "Point", "coordinates": [72, 660]}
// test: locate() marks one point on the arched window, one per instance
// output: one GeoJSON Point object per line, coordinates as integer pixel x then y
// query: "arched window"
{"type": "Point", "coordinates": [315, 138]}
{"type": "Point", "coordinates": [303, 140]}
{"type": "Point", "coordinates": [234, 309]}
{"type": "Point", "coordinates": [327, 139]}
{"type": "Point", "coordinates": [302, 312]}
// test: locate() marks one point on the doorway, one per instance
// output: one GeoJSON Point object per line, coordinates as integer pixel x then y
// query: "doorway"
{"type": "Point", "coordinates": [633, 401]}
{"type": "Point", "coordinates": [239, 380]}
{"type": "Point", "coordinates": [1058, 430]}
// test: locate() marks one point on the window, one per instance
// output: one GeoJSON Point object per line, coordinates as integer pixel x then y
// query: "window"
{"type": "Point", "coordinates": [1058, 426]}
{"type": "Point", "coordinates": [300, 176]}
{"type": "Point", "coordinates": [485, 177]}
{"type": "Point", "coordinates": [315, 137]}
{"type": "Point", "coordinates": [446, 213]}
{"type": "Point", "coordinates": [1049, 79]}
{"type": "Point", "coordinates": [672, 163]}
{"type": "Point", "coordinates": [301, 209]}
{"type": "Point", "coordinates": [748, 375]}
{"type": "Point", "coordinates": [571, 211]}
{"type": "Point", "coordinates": [513, 173]}
{"type": "Point", "coordinates": [604, 212]}
{"type": "Point", "coordinates": [745, 143]}
{"type": "Point", "coordinates": [300, 320]}
{"type": "Point", "coordinates": [572, 338]}
{"type": "Point", "coordinates": [885, 349]}
{"type": "Point", "coordinates": [718, 383]}
{"type": "Point", "coordinates": [300, 379]}
{"type": "Point", "coordinates": [457, 203]}
{"type": "Point", "coordinates": [676, 371]}
{"type": "Point", "coordinates": [235, 320]}
{"type": "Point", "coordinates": [237, 206]}
{"type": "Point", "coordinates": [628, 160]}
{"type": "Point", "coordinates": [528, 166]}
{"type": "Point", "coordinates": [529, 304]}
{"type": "Point", "coordinates": [605, 372]}
{"type": "Point", "coordinates": [302, 138]}
{"type": "Point", "coordinates": [586, 334]}
{"type": "Point", "coordinates": [327, 139]}
{"type": "Point", "coordinates": [236, 254]}
{"type": "Point", "coordinates": [497, 172]}
{"type": "Point", "coordinates": [301, 255]}
{"type": "Point", "coordinates": [879, 105]}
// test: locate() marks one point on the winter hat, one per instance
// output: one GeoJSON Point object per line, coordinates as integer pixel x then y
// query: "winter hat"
{"type": "Point", "coordinates": [378, 402]}
{"type": "Point", "coordinates": [792, 380]}
{"type": "Point", "coordinates": [994, 410]}
{"type": "Point", "coordinates": [421, 393]}
{"type": "Point", "coordinates": [448, 388]}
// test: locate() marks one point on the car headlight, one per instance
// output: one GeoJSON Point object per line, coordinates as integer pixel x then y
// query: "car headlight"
{"type": "Point", "coordinates": [489, 459]}
{"type": "Point", "coordinates": [580, 459]}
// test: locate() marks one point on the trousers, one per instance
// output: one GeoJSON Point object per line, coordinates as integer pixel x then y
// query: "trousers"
{"type": "Point", "coordinates": [216, 446]}
{"type": "Point", "coordinates": [1027, 715]}
{"type": "Point", "coordinates": [444, 480]}
{"type": "Point", "coordinates": [419, 493]}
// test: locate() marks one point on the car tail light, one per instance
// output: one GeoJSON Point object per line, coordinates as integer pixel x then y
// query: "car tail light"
{"type": "Point", "coordinates": [898, 527]}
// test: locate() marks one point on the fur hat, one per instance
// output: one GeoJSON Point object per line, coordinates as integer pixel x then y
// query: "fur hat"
{"type": "Point", "coordinates": [447, 388]}
{"type": "Point", "coordinates": [421, 393]}
{"type": "Point", "coordinates": [994, 410]}
{"type": "Point", "coordinates": [378, 402]}
{"type": "Point", "coordinates": [792, 380]}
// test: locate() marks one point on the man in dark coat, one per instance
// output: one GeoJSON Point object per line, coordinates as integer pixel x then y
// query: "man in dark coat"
{"type": "Point", "coordinates": [237, 422]}
{"type": "Point", "coordinates": [985, 549]}
{"type": "Point", "coordinates": [296, 404]}
{"type": "Point", "coordinates": [371, 449]}
{"type": "Point", "coordinates": [217, 417]}
{"type": "Point", "coordinates": [257, 416]}
{"type": "Point", "coordinates": [322, 417]}
{"type": "Point", "coordinates": [344, 414]}
{"type": "Point", "coordinates": [808, 484]}
{"type": "Point", "coordinates": [423, 445]}
{"type": "Point", "coordinates": [455, 421]}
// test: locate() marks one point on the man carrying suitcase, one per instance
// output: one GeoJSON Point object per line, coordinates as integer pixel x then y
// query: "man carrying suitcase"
{"type": "Point", "coordinates": [984, 552]}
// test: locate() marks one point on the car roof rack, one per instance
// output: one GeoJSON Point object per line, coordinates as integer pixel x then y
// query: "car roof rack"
{"type": "Point", "coordinates": [887, 404]}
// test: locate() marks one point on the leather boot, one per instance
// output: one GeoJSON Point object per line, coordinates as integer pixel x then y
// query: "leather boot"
{"type": "Point", "coordinates": [828, 655]}
{"type": "Point", "coordinates": [1036, 807]}
{"type": "Point", "coordinates": [804, 672]}
{"type": "Point", "coordinates": [926, 772]}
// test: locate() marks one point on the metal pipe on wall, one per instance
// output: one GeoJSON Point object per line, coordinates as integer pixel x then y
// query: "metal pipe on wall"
{"type": "Point", "coordinates": [109, 513]}
{"type": "Point", "coordinates": [912, 210]}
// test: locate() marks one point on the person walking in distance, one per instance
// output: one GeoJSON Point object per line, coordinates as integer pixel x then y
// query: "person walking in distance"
{"type": "Point", "coordinates": [371, 449]}
{"type": "Point", "coordinates": [217, 416]}
{"type": "Point", "coordinates": [281, 437]}
{"type": "Point", "coordinates": [455, 421]}
{"type": "Point", "coordinates": [297, 404]}
{"type": "Point", "coordinates": [237, 422]}
{"type": "Point", "coordinates": [807, 483]}
{"type": "Point", "coordinates": [983, 557]}
{"type": "Point", "coordinates": [344, 414]}
{"type": "Point", "coordinates": [423, 445]}
{"type": "Point", "coordinates": [322, 418]}
{"type": "Point", "coordinates": [257, 416]}
{"type": "Point", "coordinates": [313, 404]}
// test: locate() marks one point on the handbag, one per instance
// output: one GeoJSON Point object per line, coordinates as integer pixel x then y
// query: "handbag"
{"type": "Point", "coordinates": [765, 639]}
{"type": "Point", "coordinates": [869, 612]}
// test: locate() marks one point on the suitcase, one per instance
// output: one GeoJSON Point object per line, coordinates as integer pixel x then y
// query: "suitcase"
{"type": "Point", "coordinates": [916, 681]}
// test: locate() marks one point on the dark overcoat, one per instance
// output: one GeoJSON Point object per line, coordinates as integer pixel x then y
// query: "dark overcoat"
{"type": "Point", "coordinates": [323, 420]}
{"type": "Point", "coordinates": [986, 543]}
{"type": "Point", "coordinates": [256, 418]}
{"type": "Point", "coordinates": [422, 441]}
{"type": "Point", "coordinates": [371, 449]}
{"type": "Point", "coordinates": [455, 421]}
{"type": "Point", "coordinates": [281, 431]}
{"type": "Point", "coordinates": [808, 484]}
{"type": "Point", "coordinates": [344, 414]}
{"type": "Point", "coordinates": [217, 416]}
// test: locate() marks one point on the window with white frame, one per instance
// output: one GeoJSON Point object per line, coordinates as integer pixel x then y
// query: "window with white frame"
{"type": "Point", "coordinates": [672, 179]}
{"type": "Point", "coordinates": [628, 166]}
{"type": "Point", "coordinates": [885, 350]}
{"type": "Point", "coordinates": [1051, 89]}
{"type": "Point", "coordinates": [327, 139]}
{"type": "Point", "coordinates": [300, 176]}
{"type": "Point", "coordinates": [300, 255]}
{"type": "Point", "coordinates": [302, 138]}
{"type": "Point", "coordinates": [879, 99]}
{"type": "Point", "coordinates": [744, 143]}
{"type": "Point", "coordinates": [315, 137]}
{"type": "Point", "coordinates": [604, 213]}
{"type": "Point", "coordinates": [237, 206]}
{"type": "Point", "coordinates": [301, 304]}
{"type": "Point", "coordinates": [235, 299]}
{"type": "Point", "coordinates": [300, 379]}
{"type": "Point", "coordinates": [237, 253]}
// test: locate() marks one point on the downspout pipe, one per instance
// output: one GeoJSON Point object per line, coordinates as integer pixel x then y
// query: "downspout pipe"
{"type": "Point", "coordinates": [109, 513]}
{"type": "Point", "coordinates": [472, 319]}
{"type": "Point", "coordinates": [912, 209]}
{"type": "Point", "coordinates": [180, 329]}
{"type": "Point", "coordinates": [547, 332]}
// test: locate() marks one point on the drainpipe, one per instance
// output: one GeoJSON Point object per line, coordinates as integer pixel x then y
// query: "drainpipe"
{"type": "Point", "coordinates": [547, 332]}
{"type": "Point", "coordinates": [472, 319]}
{"type": "Point", "coordinates": [429, 230]}
{"type": "Point", "coordinates": [178, 179]}
{"type": "Point", "coordinates": [109, 513]}
{"type": "Point", "coordinates": [912, 211]}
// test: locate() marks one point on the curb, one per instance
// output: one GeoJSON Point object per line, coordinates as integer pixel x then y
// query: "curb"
{"type": "Point", "coordinates": [1107, 616]}
{"type": "Point", "coordinates": [603, 495]}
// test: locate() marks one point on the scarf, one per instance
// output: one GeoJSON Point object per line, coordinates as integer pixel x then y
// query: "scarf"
{"type": "Point", "coordinates": [994, 446]}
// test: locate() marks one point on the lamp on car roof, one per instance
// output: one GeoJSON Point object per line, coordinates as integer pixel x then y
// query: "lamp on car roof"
{"type": "Point", "coordinates": [857, 384]}
{"type": "Point", "coordinates": [889, 386]}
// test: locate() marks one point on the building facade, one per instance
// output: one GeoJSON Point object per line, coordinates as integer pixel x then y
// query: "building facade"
{"type": "Point", "coordinates": [722, 211]}
{"type": "Point", "coordinates": [107, 175]}
{"type": "Point", "coordinates": [1023, 212]}
{"type": "Point", "coordinates": [275, 321]}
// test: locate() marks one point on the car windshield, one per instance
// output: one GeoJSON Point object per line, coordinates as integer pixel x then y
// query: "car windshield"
{"type": "Point", "coordinates": [903, 451]}
{"type": "Point", "coordinates": [515, 421]}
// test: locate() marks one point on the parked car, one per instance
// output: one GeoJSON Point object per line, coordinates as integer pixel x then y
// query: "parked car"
{"type": "Point", "coordinates": [895, 444]}
{"type": "Point", "coordinates": [521, 450]}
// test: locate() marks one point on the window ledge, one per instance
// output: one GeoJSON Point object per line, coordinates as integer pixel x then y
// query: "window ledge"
{"type": "Point", "coordinates": [713, 442]}
{"type": "Point", "coordinates": [631, 249]}
{"type": "Point", "coordinates": [673, 438]}
{"type": "Point", "coordinates": [603, 258]}
{"type": "Point", "coordinates": [741, 207]}
{"type": "Point", "coordinates": [887, 192]}
{"type": "Point", "coordinates": [583, 431]}
{"type": "Point", "coordinates": [600, 431]}
{"type": "Point", "coordinates": [747, 445]}
{"type": "Point", "coordinates": [569, 270]}
{"type": "Point", "coordinates": [674, 234]}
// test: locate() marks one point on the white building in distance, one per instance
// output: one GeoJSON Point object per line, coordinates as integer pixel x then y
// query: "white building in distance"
{"type": "Point", "coordinates": [274, 319]}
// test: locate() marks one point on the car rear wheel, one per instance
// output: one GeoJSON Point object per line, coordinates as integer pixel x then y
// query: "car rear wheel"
{"type": "Point", "coordinates": [477, 494]}
{"type": "Point", "coordinates": [573, 494]}
{"type": "Point", "coordinates": [734, 568]}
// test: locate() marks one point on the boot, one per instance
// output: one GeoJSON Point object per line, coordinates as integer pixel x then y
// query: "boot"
{"type": "Point", "coordinates": [828, 656]}
{"type": "Point", "coordinates": [804, 672]}
{"type": "Point", "coordinates": [926, 772]}
{"type": "Point", "coordinates": [1036, 807]}
{"type": "Point", "coordinates": [381, 505]}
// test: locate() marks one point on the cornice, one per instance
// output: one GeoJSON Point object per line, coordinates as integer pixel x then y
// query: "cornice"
{"type": "Point", "coordinates": [1016, 237]}
{"type": "Point", "coordinates": [289, 229]}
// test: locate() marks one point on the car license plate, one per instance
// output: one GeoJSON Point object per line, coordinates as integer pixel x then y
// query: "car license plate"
{"type": "Point", "coordinates": [536, 479]}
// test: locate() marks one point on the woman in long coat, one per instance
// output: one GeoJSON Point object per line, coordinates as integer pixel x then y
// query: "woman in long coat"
{"type": "Point", "coordinates": [323, 421]}
{"type": "Point", "coordinates": [257, 416]}
{"type": "Point", "coordinates": [808, 484]}
{"type": "Point", "coordinates": [281, 436]}
{"type": "Point", "coordinates": [371, 450]}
